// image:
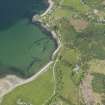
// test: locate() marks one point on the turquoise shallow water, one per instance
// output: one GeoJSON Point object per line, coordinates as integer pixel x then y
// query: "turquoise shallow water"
{"type": "Point", "coordinates": [24, 48]}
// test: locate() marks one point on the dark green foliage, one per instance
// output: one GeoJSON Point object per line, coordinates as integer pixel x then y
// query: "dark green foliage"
{"type": "Point", "coordinates": [98, 83]}
{"type": "Point", "coordinates": [59, 83]}
{"type": "Point", "coordinates": [90, 42]}
{"type": "Point", "coordinates": [94, 3]}
{"type": "Point", "coordinates": [103, 102]}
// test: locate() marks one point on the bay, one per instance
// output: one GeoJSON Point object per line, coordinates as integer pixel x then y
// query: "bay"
{"type": "Point", "coordinates": [24, 47]}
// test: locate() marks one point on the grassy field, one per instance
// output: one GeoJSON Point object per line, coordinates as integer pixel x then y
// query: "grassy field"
{"type": "Point", "coordinates": [79, 48]}
{"type": "Point", "coordinates": [97, 66]}
{"type": "Point", "coordinates": [76, 5]}
{"type": "Point", "coordinates": [35, 92]}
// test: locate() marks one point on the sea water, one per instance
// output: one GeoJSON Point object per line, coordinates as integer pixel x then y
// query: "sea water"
{"type": "Point", "coordinates": [24, 47]}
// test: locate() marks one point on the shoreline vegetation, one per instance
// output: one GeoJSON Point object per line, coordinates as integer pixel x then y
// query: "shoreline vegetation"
{"type": "Point", "coordinates": [58, 42]}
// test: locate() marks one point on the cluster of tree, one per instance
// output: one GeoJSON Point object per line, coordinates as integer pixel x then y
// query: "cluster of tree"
{"type": "Point", "coordinates": [59, 82]}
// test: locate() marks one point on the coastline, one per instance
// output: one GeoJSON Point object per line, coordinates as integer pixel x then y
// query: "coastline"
{"type": "Point", "coordinates": [51, 3]}
{"type": "Point", "coordinates": [54, 35]}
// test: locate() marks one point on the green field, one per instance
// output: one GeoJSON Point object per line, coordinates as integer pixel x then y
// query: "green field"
{"type": "Point", "coordinates": [36, 92]}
